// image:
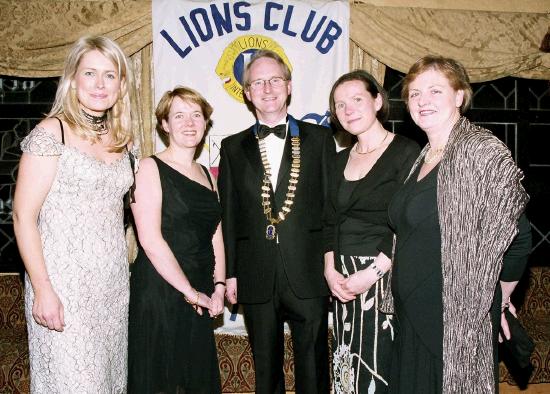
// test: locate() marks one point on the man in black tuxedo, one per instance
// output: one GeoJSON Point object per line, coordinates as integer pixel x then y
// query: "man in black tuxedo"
{"type": "Point", "coordinates": [273, 186]}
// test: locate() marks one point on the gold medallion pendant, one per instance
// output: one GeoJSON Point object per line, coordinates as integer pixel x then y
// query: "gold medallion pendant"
{"type": "Point", "coordinates": [270, 232]}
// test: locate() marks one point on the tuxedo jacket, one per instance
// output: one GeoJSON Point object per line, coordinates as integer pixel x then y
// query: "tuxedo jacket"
{"type": "Point", "coordinates": [252, 258]}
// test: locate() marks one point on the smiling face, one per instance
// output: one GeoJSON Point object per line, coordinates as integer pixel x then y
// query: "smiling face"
{"type": "Point", "coordinates": [97, 83]}
{"type": "Point", "coordinates": [433, 104]}
{"type": "Point", "coordinates": [269, 102]}
{"type": "Point", "coordinates": [355, 107]}
{"type": "Point", "coordinates": [185, 124]}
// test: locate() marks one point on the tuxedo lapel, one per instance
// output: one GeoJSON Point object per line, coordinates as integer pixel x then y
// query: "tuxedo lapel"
{"type": "Point", "coordinates": [252, 154]}
{"type": "Point", "coordinates": [284, 168]}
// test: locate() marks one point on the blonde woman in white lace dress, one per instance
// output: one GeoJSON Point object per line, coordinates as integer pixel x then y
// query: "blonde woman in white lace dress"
{"type": "Point", "coordinates": [68, 220]}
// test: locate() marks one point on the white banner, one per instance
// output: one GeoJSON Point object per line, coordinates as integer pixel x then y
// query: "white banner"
{"type": "Point", "coordinates": [205, 44]}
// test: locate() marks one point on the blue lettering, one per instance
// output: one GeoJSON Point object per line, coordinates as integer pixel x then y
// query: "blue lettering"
{"type": "Point", "coordinates": [267, 17]}
{"type": "Point", "coordinates": [188, 30]}
{"type": "Point", "coordinates": [221, 22]}
{"type": "Point", "coordinates": [221, 18]}
{"type": "Point", "coordinates": [176, 47]}
{"type": "Point", "coordinates": [327, 39]}
{"type": "Point", "coordinates": [322, 120]}
{"type": "Point", "coordinates": [205, 36]}
{"type": "Point", "coordinates": [242, 15]}
{"type": "Point", "coordinates": [286, 24]}
{"type": "Point", "coordinates": [308, 26]}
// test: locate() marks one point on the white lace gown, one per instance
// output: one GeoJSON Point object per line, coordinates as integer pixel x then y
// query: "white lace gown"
{"type": "Point", "coordinates": [81, 227]}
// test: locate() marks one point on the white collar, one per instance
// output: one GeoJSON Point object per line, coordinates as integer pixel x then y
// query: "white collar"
{"type": "Point", "coordinates": [280, 121]}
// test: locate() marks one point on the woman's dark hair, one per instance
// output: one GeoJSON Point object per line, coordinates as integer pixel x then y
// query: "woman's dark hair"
{"type": "Point", "coordinates": [371, 86]}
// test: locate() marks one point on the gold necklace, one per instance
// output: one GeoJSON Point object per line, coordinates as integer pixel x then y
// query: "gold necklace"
{"type": "Point", "coordinates": [373, 149]}
{"type": "Point", "coordinates": [433, 154]}
{"type": "Point", "coordinates": [270, 230]}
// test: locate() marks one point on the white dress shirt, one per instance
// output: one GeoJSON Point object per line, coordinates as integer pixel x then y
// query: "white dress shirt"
{"type": "Point", "coordinates": [274, 147]}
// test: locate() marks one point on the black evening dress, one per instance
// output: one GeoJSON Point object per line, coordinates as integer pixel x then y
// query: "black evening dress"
{"type": "Point", "coordinates": [355, 225]}
{"type": "Point", "coordinates": [171, 347]}
{"type": "Point", "coordinates": [417, 286]}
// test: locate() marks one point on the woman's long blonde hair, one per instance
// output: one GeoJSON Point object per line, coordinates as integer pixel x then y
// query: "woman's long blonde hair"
{"type": "Point", "coordinates": [66, 103]}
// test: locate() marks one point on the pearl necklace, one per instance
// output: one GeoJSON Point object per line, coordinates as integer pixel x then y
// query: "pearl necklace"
{"type": "Point", "coordinates": [271, 231]}
{"type": "Point", "coordinates": [433, 155]}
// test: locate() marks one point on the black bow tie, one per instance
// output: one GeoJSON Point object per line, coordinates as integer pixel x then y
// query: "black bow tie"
{"type": "Point", "coordinates": [264, 131]}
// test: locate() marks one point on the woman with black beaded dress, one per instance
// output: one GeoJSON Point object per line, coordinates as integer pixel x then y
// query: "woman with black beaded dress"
{"type": "Point", "coordinates": [178, 280]}
{"type": "Point", "coordinates": [364, 179]}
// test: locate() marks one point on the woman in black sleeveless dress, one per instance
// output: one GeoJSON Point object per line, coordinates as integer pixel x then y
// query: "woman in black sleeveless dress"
{"type": "Point", "coordinates": [177, 283]}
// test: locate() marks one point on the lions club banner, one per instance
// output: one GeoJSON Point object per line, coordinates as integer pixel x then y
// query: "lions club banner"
{"type": "Point", "coordinates": [206, 44]}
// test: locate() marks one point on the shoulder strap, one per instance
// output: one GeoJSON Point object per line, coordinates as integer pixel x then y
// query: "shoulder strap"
{"type": "Point", "coordinates": [208, 176]}
{"type": "Point", "coordinates": [132, 191]}
{"type": "Point", "coordinates": [161, 166]}
{"type": "Point", "coordinates": [156, 159]}
{"type": "Point", "coordinates": [62, 131]}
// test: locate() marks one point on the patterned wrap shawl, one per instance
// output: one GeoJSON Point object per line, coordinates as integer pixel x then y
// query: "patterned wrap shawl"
{"type": "Point", "coordinates": [480, 199]}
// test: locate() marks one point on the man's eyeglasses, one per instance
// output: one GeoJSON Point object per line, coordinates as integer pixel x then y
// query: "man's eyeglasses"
{"type": "Point", "coordinates": [274, 82]}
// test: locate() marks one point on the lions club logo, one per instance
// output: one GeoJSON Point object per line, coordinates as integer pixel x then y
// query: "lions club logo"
{"type": "Point", "coordinates": [235, 57]}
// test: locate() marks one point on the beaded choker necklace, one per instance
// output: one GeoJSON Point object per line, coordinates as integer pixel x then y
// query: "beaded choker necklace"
{"type": "Point", "coordinates": [271, 230]}
{"type": "Point", "coordinates": [96, 123]}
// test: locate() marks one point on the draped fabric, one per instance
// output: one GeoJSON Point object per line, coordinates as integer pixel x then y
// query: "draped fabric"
{"type": "Point", "coordinates": [36, 35]}
{"type": "Point", "coordinates": [359, 58]}
{"type": "Point", "coordinates": [479, 192]}
{"type": "Point", "coordinates": [490, 45]}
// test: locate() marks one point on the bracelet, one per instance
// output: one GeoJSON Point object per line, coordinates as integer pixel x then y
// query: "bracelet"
{"type": "Point", "coordinates": [378, 271]}
{"type": "Point", "coordinates": [220, 282]}
{"type": "Point", "coordinates": [196, 302]}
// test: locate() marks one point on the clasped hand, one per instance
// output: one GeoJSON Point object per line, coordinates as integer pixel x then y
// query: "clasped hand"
{"type": "Point", "coordinates": [346, 289]}
{"type": "Point", "coordinates": [214, 303]}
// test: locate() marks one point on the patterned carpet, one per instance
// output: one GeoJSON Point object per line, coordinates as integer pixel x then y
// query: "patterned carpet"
{"type": "Point", "coordinates": [235, 358]}
{"type": "Point", "coordinates": [534, 315]}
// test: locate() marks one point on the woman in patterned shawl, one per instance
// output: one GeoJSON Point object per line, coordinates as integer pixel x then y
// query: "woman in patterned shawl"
{"type": "Point", "coordinates": [455, 217]}
{"type": "Point", "coordinates": [68, 220]}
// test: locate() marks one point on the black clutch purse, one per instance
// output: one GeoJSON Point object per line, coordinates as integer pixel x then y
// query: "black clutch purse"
{"type": "Point", "coordinates": [520, 345]}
